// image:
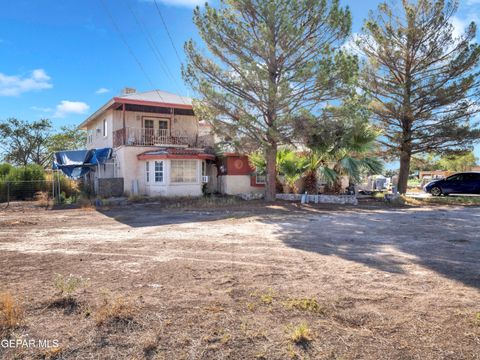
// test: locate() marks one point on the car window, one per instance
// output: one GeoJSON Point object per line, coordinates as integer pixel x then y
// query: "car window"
{"type": "Point", "coordinates": [472, 177]}
{"type": "Point", "coordinates": [458, 177]}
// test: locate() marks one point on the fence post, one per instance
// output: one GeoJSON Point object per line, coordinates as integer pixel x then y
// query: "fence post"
{"type": "Point", "coordinates": [8, 193]}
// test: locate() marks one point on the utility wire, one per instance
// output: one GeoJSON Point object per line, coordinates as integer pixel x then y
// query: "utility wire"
{"type": "Point", "coordinates": [132, 53]}
{"type": "Point", "coordinates": [151, 42]}
{"type": "Point", "coordinates": [168, 32]}
{"type": "Point", "coordinates": [153, 46]}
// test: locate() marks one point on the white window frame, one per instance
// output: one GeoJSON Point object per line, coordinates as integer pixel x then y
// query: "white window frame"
{"type": "Point", "coordinates": [162, 172]}
{"type": "Point", "coordinates": [260, 179]}
{"type": "Point", "coordinates": [105, 127]}
{"type": "Point", "coordinates": [263, 180]}
{"type": "Point", "coordinates": [173, 181]}
{"type": "Point", "coordinates": [147, 171]}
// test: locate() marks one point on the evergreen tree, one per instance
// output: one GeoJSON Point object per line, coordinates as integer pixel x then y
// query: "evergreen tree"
{"type": "Point", "coordinates": [424, 82]}
{"type": "Point", "coordinates": [267, 61]}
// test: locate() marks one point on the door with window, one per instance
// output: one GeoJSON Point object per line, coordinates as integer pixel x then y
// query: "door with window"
{"type": "Point", "coordinates": [156, 130]}
{"type": "Point", "coordinates": [149, 128]}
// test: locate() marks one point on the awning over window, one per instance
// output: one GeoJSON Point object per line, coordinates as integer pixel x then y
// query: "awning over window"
{"type": "Point", "coordinates": [175, 153]}
{"type": "Point", "coordinates": [76, 163]}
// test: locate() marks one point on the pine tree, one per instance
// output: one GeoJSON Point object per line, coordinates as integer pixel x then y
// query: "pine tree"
{"type": "Point", "coordinates": [267, 61]}
{"type": "Point", "coordinates": [424, 82]}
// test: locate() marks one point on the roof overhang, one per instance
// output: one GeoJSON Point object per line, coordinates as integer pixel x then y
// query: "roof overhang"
{"type": "Point", "coordinates": [116, 101]}
{"type": "Point", "coordinates": [176, 156]}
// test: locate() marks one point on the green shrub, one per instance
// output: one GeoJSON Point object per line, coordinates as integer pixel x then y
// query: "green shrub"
{"type": "Point", "coordinates": [5, 170]}
{"type": "Point", "coordinates": [26, 181]}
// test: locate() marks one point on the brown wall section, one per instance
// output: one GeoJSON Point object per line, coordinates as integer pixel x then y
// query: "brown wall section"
{"type": "Point", "coordinates": [238, 165]}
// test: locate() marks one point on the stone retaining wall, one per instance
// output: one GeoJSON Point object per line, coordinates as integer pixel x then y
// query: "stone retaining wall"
{"type": "Point", "coordinates": [321, 199]}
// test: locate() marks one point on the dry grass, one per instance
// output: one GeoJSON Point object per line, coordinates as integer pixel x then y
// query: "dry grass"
{"type": "Point", "coordinates": [442, 200]}
{"type": "Point", "coordinates": [200, 286]}
{"type": "Point", "coordinates": [301, 334]}
{"type": "Point", "coordinates": [305, 304]}
{"type": "Point", "coordinates": [43, 199]}
{"type": "Point", "coordinates": [115, 310]}
{"type": "Point", "coordinates": [11, 313]}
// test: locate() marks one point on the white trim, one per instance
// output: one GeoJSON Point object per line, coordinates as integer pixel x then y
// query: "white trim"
{"type": "Point", "coordinates": [155, 171]}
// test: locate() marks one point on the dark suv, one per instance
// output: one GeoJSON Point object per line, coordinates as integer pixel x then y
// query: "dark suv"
{"type": "Point", "coordinates": [461, 183]}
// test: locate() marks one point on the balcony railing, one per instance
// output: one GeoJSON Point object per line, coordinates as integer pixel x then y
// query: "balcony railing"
{"type": "Point", "coordinates": [157, 137]}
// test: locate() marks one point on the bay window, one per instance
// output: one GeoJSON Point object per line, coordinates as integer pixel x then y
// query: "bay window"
{"type": "Point", "coordinates": [183, 171]}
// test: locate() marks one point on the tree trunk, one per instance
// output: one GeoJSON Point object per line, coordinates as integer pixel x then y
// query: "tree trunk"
{"type": "Point", "coordinates": [404, 172]}
{"type": "Point", "coordinates": [270, 186]}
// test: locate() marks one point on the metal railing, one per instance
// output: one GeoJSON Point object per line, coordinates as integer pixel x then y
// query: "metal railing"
{"type": "Point", "coordinates": [157, 137]}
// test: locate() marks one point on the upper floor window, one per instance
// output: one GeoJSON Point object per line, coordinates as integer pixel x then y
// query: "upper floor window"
{"type": "Point", "coordinates": [104, 127]}
{"type": "Point", "coordinates": [90, 136]}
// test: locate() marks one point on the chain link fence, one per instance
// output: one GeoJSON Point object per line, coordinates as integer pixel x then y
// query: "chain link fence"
{"type": "Point", "coordinates": [57, 190]}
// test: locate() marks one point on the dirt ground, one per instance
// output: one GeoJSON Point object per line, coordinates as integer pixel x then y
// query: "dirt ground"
{"type": "Point", "coordinates": [237, 281]}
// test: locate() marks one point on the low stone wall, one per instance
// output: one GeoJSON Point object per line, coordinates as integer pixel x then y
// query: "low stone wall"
{"type": "Point", "coordinates": [321, 199]}
{"type": "Point", "coordinates": [110, 187]}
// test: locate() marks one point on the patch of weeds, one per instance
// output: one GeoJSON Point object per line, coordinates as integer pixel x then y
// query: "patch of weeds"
{"type": "Point", "coordinates": [225, 338]}
{"type": "Point", "coordinates": [150, 346]}
{"type": "Point", "coordinates": [66, 287]}
{"type": "Point", "coordinates": [53, 353]}
{"type": "Point", "coordinates": [251, 306]}
{"type": "Point", "coordinates": [301, 334]}
{"type": "Point", "coordinates": [477, 318]}
{"type": "Point", "coordinates": [305, 304]}
{"type": "Point", "coordinates": [266, 298]}
{"type": "Point", "coordinates": [115, 311]}
{"type": "Point", "coordinates": [255, 333]}
{"type": "Point", "coordinates": [291, 351]}
{"type": "Point", "coordinates": [11, 313]}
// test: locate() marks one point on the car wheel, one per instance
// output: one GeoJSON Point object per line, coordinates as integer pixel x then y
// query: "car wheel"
{"type": "Point", "coordinates": [436, 191]}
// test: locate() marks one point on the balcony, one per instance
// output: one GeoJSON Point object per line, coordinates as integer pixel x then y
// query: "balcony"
{"type": "Point", "coordinates": [158, 137]}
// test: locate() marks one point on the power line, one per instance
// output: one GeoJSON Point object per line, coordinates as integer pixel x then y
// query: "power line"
{"type": "Point", "coordinates": [168, 32]}
{"type": "Point", "coordinates": [151, 43]}
{"type": "Point", "coordinates": [132, 53]}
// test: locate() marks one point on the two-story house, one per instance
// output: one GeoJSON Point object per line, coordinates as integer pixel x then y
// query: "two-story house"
{"type": "Point", "coordinates": [159, 146]}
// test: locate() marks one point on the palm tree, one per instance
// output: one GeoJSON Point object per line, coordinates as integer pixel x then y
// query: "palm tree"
{"type": "Point", "coordinates": [290, 165]}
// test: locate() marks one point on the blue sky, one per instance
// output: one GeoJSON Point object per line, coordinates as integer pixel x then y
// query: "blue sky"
{"type": "Point", "coordinates": [64, 59]}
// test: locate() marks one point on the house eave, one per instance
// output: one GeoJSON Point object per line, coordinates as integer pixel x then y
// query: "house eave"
{"type": "Point", "coordinates": [96, 114]}
{"type": "Point", "coordinates": [120, 101]}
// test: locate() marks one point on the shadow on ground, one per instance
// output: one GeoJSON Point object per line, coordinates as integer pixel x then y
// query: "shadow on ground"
{"type": "Point", "coordinates": [446, 241]}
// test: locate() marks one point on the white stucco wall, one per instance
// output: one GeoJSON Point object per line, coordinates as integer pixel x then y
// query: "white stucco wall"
{"type": "Point", "coordinates": [238, 184]}
{"type": "Point", "coordinates": [131, 169]}
{"type": "Point", "coordinates": [95, 128]}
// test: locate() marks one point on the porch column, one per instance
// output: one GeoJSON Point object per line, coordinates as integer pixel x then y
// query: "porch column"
{"type": "Point", "coordinates": [124, 132]}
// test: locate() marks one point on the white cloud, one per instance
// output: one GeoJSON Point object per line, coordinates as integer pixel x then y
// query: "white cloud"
{"type": "Point", "coordinates": [42, 109]}
{"type": "Point", "coordinates": [14, 85]}
{"type": "Point", "coordinates": [102, 91]}
{"type": "Point", "coordinates": [461, 24]}
{"type": "Point", "coordinates": [188, 3]}
{"type": "Point", "coordinates": [67, 107]}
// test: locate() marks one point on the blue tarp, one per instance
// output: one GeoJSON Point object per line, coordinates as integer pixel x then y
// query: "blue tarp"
{"type": "Point", "coordinates": [76, 163]}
